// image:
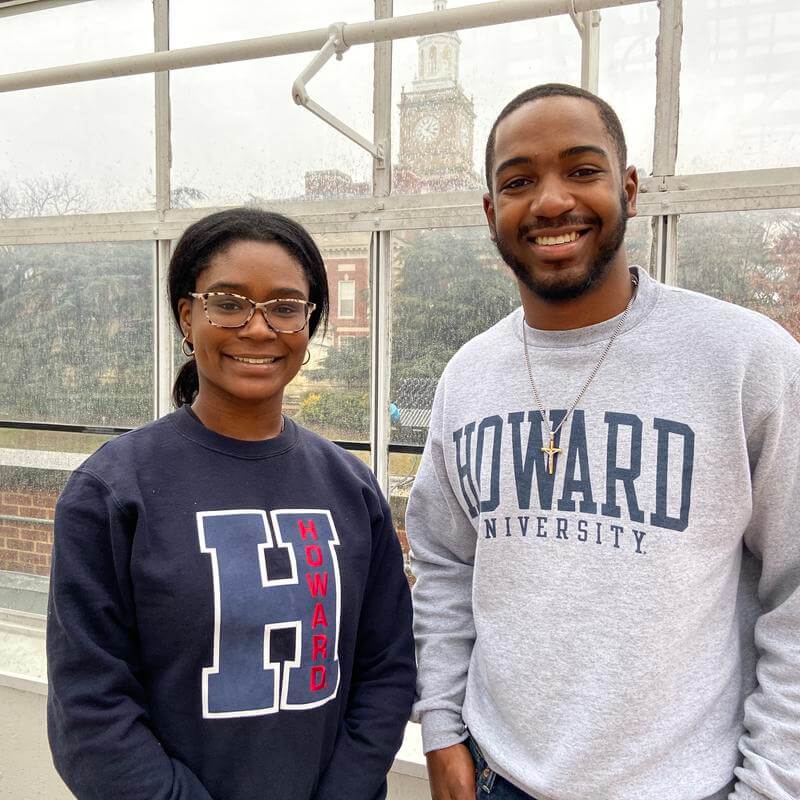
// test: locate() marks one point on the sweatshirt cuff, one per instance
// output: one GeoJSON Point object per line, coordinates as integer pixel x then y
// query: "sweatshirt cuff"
{"type": "Point", "coordinates": [442, 728]}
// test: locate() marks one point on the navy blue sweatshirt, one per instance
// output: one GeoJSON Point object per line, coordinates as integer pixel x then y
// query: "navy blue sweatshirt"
{"type": "Point", "coordinates": [227, 620]}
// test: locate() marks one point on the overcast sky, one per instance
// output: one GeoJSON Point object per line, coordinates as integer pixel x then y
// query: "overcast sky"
{"type": "Point", "coordinates": [236, 131]}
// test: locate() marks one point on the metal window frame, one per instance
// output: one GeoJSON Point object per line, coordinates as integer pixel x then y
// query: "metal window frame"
{"type": "Point", "coordinates": [12, 8]}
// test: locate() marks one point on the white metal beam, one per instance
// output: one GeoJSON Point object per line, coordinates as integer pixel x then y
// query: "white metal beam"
{"type": "Point", "coordinates": [12, 8]}
{"type": "Point", "coordinates": [667, 242]}
{"type": "Point", "coordinates": [380, 266]}
{"type": "Point", "coordinates": [382, 105]}
{"type": "Point", "coordinates": [377, 30]}
{"type": "Point", "coordinates": [162, 331]}
{"type": "Point", "coordinates": [162, 108]}
{"type": "Point", "coordinates": [590, 50]}
{"type": "Point", "coordinates": [668, 74]}
{"type": "Point", "coordinates": [680, 194]}
{"type": "Point", "coordinates": [381, 353]}
{"type": "Point", "coordinates": [724, 191]}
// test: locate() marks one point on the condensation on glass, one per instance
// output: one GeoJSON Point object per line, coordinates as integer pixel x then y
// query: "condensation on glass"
{"type": "Point", "coordinates": [402, 471]}
{"type": "Point", "coordinates": [81, 320]}
{"type": "Point", "coordinates": [627, 78]}
{"type": "Point", "coordinates": [639, 243]}
{"type": "Point", "coordinates": [80, 148]}
{"type": "Point", "coordinates": [27, 503]}
{"type": "Point", "coordinates": [448, 285]}
{"type": "Point", "coordinates": [740, 102]}
{"type": "Point", "coordinates": [238, 136]}
{"type": "Point", "coordinates": [751, 258]}
{"type": "Point", "coordinates": [74, 33]}
{"type": "Point", "coordinates": [85, 147]}
{"type": "Point", "coordinates": [193, 23]}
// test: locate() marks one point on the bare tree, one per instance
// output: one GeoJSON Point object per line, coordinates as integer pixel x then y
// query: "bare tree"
{"type": "Point", "coordinates": [9, 201]}
{"type": "Point", "coordinates": [186, 196]}
{"type": "Point", "coordinates": [52, 196]}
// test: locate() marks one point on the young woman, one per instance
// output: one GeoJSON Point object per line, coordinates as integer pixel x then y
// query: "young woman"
{"type": "Point", "coordinates": [229, 617]}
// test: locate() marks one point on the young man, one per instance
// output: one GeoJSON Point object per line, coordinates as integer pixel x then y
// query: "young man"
{"type": "Point", "coordinates": [605, 526]}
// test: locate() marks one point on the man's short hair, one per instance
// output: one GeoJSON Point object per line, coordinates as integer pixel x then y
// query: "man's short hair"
{"type": "Point", "coordinates": [607, 114]}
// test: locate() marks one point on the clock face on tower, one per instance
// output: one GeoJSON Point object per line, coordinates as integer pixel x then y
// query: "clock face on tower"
{"type": "Point", "coordinates": [427, 129]}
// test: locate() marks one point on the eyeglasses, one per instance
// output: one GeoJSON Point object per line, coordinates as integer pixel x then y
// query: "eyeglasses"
{"type": "Point", "coordinates": [225, 310]}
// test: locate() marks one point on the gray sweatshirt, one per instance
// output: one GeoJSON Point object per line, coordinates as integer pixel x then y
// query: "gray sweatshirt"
{"type": "Point", "coordinates": [629, 627]}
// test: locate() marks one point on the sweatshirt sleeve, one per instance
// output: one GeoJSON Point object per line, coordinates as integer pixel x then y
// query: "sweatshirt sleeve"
{"type": "Point", "coordinates": [771, 742]}
{"type": "Point", "coordinates": [384, 675]}
{"type": "Point", "coordinates": [442, 540]}
{"type": "Point", "coordinates": [97, 716]}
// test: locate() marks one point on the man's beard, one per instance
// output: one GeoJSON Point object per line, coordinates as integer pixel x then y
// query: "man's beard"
{"type": "Point", "coordinates": [555, 291]}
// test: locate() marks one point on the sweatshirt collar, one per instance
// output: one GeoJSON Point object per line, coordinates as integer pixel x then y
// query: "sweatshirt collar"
{"type": "Point", "coordinates": [189, 426]}
{"type": "Point", "coordinates": [643, 303]}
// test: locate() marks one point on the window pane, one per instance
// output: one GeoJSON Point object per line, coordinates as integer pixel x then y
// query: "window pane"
{"type": "Point", "coordinates": [26, 531]}
{"type": "Point", "coordinates": [34, 467]}
{"type": "Point", "coordinates": [80, 317]}
{"type": "Point", "coordinates": [628, 75]}
{"type": "Point", "coordinates": [193, 23]}
{"type": "Point", "coordinates": [639, 243]}
{"type": "Point", "coordinates": [740, 101]}
{"type": "Point", "coordinates": [70, 446]}
{"type": "Point", "coordinates": [75, 33]}
{"type": "Point", "coordinates": [402, 471]}
{"type": "Point", "coordinates": [82, 147]}
{"type": "Point", "coordinates": [78, 148]}
{"type": "Point", "coordinates": [447, 286]}
{"type": "Point", "coordinates": [331, 394]}
{"type": "Point", "coordinates": [254, 144]}
{"type": "Point", "coordinates": [748, 258]}
{"type": "Point", "coordinates": [347, 298]}
{"type": "Point", "coordinates": [449, 88]}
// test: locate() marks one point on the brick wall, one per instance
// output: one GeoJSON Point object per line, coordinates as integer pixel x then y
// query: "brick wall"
{"type": "Point", "coordinates": [25, 546]}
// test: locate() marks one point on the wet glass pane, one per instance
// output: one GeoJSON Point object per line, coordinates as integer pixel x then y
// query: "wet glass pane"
{"type": "Point", "coordinates": [628, 75]}
{"type": "Point", "coordinates": [449, 88]}
{"type": "Point", "coordinates": [80, 317]}
{"type": "Point", "coordinates": [194, 23]}
{"type": "Point", "coordinates": [639, 243]}
{"type": "Point", "coordinates": [749, 258]}
{"type": "Point", "coordinates": [84, 147]}
{"type": "Point", "coordinates": [69, 445]}
{"type": "Point", "coordinates": [740, 101]}
{"type": "Point", "coordinates": [74, 33]}
{"type": "Point", "coordinates": [253, 144]}
{"type": "Point", "coordinates": [331, 394]}
{"type": "Point", "coordinates": [448, 285]}
{"type": "Point", "coordinates": [27, 502]}
{"type": "Point", "coordinates": [402, 471]}
{"type": "Point", "coordinates": [102, 157]}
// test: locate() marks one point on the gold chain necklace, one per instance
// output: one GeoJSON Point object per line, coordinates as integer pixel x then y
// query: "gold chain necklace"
{"type": "Point", "coordinates": [551, 450]}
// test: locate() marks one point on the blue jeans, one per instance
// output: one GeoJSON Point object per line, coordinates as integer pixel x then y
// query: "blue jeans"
{"type": "Point", "coordinates": [488, 782]}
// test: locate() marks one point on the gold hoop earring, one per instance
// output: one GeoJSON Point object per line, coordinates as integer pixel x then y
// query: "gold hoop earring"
{"type": "Point", "coordinates": [307, 358]}
{"type": "Point", "coordinates": [187, 348]}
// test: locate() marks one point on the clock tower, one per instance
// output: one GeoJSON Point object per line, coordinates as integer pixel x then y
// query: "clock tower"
{"type": "Point", "coordinates": [437, 121]}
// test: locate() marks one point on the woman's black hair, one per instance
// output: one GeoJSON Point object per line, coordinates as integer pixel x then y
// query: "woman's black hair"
{"type": "Point", "coordinates": [212, 235]}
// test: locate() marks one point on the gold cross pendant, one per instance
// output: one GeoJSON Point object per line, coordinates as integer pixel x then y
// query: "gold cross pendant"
{"type": "Point", "coordinates": [551, 451]}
